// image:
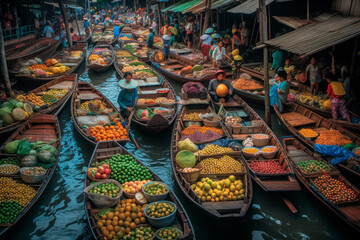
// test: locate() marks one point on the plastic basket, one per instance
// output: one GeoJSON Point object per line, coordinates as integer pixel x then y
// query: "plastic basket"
{"type": "Point", "coordinates": [269, 155]}
{"type": "Point", "coordinates": [154, 198]}
{"type": "Point", "coordinates": [163, 221]}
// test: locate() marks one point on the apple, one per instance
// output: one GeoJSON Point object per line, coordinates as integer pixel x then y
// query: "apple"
{"type": "Point", "coordinates": [97, 175]}
{"type": "Point", "coordinates": [105, 166]}
{"type": "Point", "coordinates": [103, 176]}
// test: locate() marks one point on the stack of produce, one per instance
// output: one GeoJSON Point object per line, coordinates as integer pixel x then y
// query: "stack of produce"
{"type": "Point", "coordinates": [106, 189]}
{"type": "Point", "coordinates": [332, 137]}
{"type": "Point", "coordinates": [9, 210]}
{"type": "Point", "coordinates": [169, 233]}
{"type": "Point", "coordinates": [247, 85]}
{"type": "Point", "coordinates": [312, 100]}
{"type": "Point", "coordinates": [311, 166]}
{"type": "Point", "coordinates": [334, 190]}
{"type": "Point", "coordinates": [99, 172]}
{"type": "Point", "coordinates": [229, 189]}
{"type": "Point", "coordinates": [85, 105]}
{"type": "Point", "coordinates": [76, 54]}
{"type": "Point", "coordinates": [147, 101]}
{"type": "Point", "coordinates": [123, 53]}
{"type": "Point", "coordinates": [212, 149]}
{"type": "Point", "coordinates": [186, 144]}
{"type": "Point", "coordinates": [10, 160]}
{"type": "Point", "coordinates": [31, 97]}
{"type": "Point", "coordinates": [97, 35]}
{"type": "Point", "coordinates": [105, 133]}
{"type": "Point", "coordinates": [232, 119]}
{"type": "Point", "coordinates": [164, 100]}
{"type": "Point", "coordinates": [145, 233]}
{"type": "Point", "coordinates": [13, 111]}
{"type": "Point", "coordinates": [225, 164]}
{"type": "Point", "coordinates": [199, 134]}
{"type": "Point", "coordinates": [124, 38]}
{"type": "Point", "coordinates": [124, 168]}
{"type": "Point", "coordinates": [143, 73]}
{"type": "Point", "coordinates": [266, 167]}
{"type": "Point", "coordinates": [134, 186]}
{"type": "Point", "coordinates": [102, 56]}
{"type": "Point", "coordinates": [160, 209]}
{"type": "Point", "coordinates": [155, 189]}
{"type": "Point", "coordinates": [308, 133]}
{"type": "Point", "coordinates": [192, 117]}
{"type": "Point", "coordinates": [129, 68]}
{"type": "Point", "coordinates": [9, 169]}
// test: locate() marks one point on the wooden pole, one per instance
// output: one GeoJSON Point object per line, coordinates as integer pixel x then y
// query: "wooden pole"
{"type": "Point", "coordinates": [16, 23]}
{"type": "Point", "coordinates": [66, 21]}
{"type": "Point", "coordinates": [43, 11]}
{"type": "Point", "coordinates": [269, 21]}
{"type": "Point", "coordinates": [201, 23]}
{"type": "Point", "coordinates": [4, 75]}
{"type": "Point", "coordinates": [253, 30]}
{"type": "Point", "coordinates": [308, 10]}
{"type": "Point", "coordinates": [217, 20]}
{"type": "Point", "coordinates": [263, 24]}
{"type": "Point", "coordinates": [208, 11]}
{"type": "Point", "coordinates": [77, 23]}
{"type": "Point", "coordinates": [159, 16]}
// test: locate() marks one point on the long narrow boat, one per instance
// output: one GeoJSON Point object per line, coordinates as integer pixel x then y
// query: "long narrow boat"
{"type": "Point", "coordinates": [105, 150]}
{"type": "Point", "coordinates": [171, 69]}
{"type": "Point", "coordinates": [13, 48]}
{"type": "Point", "coordinates": [40, 127]}
{"type": "Point", "coordinates": [66, 83]}
{"type": "Point", "coordinates": [105, 116]}
{"type": "Point", "coordinates": [251, 90]}
{"type": "Point", "coordinates": [66, 59]}
{"type": "Point", "coordinates": [296, 117]}
{"type": "Point", "coordinates": [98, 67]}
{"type": "Point", "coordinates": [84, 38]}
{"type": "Point", "coordinates": [43, 48]}
{"type": "Point", "coordinates": [221, 209]}
{"type": "Point", "coordinates": [252, 123]}
{"type": "Point", "coordinates": [154, 88]}
{"type": "Point", "coordinates": [347, 212]}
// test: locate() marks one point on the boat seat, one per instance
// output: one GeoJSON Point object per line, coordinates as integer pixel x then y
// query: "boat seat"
{"type": "Point", "coordinates": [296, 119]}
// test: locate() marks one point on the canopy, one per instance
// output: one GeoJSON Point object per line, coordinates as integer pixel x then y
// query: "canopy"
{"type": "Point", "coordinates": [318, 35]}
{"type": "Point", "coordinates": [250, 6]}
{"type": "Point", "coordinates": [182, 6]}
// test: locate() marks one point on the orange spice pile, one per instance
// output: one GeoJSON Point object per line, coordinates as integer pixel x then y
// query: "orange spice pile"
{"type": "Point", "coordinates": [332, 137]}
{"type": "Point", "coordinates": [191, 130]}
{"type": "Point", "coordinates": [244, 84]}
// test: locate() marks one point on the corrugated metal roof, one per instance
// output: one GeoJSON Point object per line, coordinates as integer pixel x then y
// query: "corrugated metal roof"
{"type": "Point", "coordinates": [197, 7]}
{"type": "Point", "coordinates": [221, 3]}
{"type": "Point", "coordinates": [173, 6]}
{"type": "Point", "coordinates": [248, 7]}
{"type": "Point", "coordinates": [185, 6]}
{"type": "Point", "coordinates": [293, 22]}
{"type": "Point", "coordinates": [318, 35]}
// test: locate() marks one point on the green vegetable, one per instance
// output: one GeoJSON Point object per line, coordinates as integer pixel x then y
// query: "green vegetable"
{"type": "Point", "coordinates": [10, 160]}
{"type": "Point", "coordinates": [7, 105]}
{"type": "Point", "coordinates": [13, 102]}
{"type": "Point", "coordinates": [12, 147]}
{"type": "Point", "coordinates": [105, 211]}
{"type": "Point", "coordinates": [4, 111]}
{"type": "Point", "coordinates": [49, 148]}
{"type": "Point", "coordinates": [19, 105]}
{"type": "Point", "coordinates": [8, 120]}
{"type": "Point", "coordinates": [9, 210]}
{"type": "Point", "coordinates": [24, 147]}
{"type": "Point", "coordinates": [197, 68]}
{"type": "Point", "coordinates": [45, 156]}
{"type": "Point", "coordinates": [32, 152]}
{"type": "Point", "coordinates": [29, 161]}
{"type": "Point", "coordinates": [185, 159]}
{"type": "Point", "coordinates": [136, 63]}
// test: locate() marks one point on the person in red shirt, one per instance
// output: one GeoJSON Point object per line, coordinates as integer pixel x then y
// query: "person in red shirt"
{"type": "Point", "coordinates": [337, 93]}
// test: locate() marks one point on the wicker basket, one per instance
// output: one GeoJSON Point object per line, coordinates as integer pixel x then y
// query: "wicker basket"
{"type": "Point", "coordinates": [260, 142]}
{"type": "Point", "coordinates": [236, 129]}
{"type": "Point", "coordinates": [191, 177]}
{"type": "Point", "coordinates": [250, 155]}
{"type": "Point", "coordinates": [269, 155]}
{"type": "Point", "coordinates": [215, 122]}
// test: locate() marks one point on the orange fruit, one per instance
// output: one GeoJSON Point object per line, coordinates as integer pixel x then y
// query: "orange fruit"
{"type": "Point", "coordinates": [126, 224]}
{"type": "Point", "coordinates": [137, 221]}
{"type": "Point", "coordinates": [110, 227]}
{"type": "Point", "coordinates": [132, 225]}
{"type": "Point", "coordinates": [142, 220]}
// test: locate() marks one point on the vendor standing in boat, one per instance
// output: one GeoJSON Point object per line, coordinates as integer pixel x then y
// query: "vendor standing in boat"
{"type": "Point", "coordinates": [336, 92]}
{"type": "Point", "coordinates": [214, 92]}
{"type": "Point", "coordinates": [283, 90]}
{"type": "Point", "coordinates": [116, 31]}
{"type": "Point", "coordinates": [150, 38]}
{"type": "Point", "coordinates": [166, 46]}
{"type": "Point", "coordinates": [128, 94]}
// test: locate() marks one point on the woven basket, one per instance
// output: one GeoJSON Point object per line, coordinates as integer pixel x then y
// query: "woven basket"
{"type": "Point", "coordinates": [102, 201]}
{"type": "Point", "coordinates": [191, 177]}
{"type": "Point", "coordinates": [260, 142]}
{"type": "Point", "coordinates": [215, 122]}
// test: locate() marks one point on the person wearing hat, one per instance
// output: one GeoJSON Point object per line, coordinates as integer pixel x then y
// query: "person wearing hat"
{"type": "Point", "coordinates": [166, 46]}
{"type": "Point", "coordinates": [86, 24]}
{"type": "Point", "coordinates": [117, 29]}
{"type": "Point", "coordinates": [220, 76]}
{"type": "Point", "coordinates": [235, 66]}
{"type": "Point", "coordinates": [128, 94]}
{"type": "Point", "coordinates": [150, 38]}
{"type": "Point", "coordinates": [205, 41]}
{"type": "Point", "coordinates": [172, 37]}
{"type": "Point", "coordinates": [237, 40]}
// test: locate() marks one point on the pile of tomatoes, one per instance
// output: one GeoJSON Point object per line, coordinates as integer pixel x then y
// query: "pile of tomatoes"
{"type": "Point", "coordinates": [113, 132]}
{"type": "Point", "coordinates": [100, 172]}
{"type": "Point", "coordinates": [266, 167]}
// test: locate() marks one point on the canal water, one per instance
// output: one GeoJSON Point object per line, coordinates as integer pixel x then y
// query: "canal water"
{"type": "Point", "coordinates": [60, 214]}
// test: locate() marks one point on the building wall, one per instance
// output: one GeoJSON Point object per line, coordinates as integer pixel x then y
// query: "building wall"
{"type": "Point", "coordinates": [347, 7]}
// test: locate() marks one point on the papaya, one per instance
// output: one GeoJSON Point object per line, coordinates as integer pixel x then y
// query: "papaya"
{"type": "Point", "coordinates": [327, 104]}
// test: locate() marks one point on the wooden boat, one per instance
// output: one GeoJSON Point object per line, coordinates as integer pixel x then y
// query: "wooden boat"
{"type": "Point", "coordinates": [296, 117]}
{"type": "Point", "coordinates": [171, 69]}
{"type": "Point", "coordinates": [219, 210]}
{"type": "Point", "coordinates": [105, 150]}
{"type": "Point", "coordinates": [13, 48]}
{"type": "Point", "coordinates": [96, 30]}
{"type": "Point", "coordinates": [63, 57]}
{"type": "Point", "coordinates": [86, 92]}
{"type": "Point", "coordinates": [100, 67]}
{"type": "Point", "coordinates": [152, 90]}
{"type": "Point", "coordinates": [84, 38]}
{"type": "Point", "coordinates": [40, 127]}
{"type": "Point", "coordinates": [348, 213]}
{"type": "Point", "coordinates": [253, 124]}
{"type": "Point", "coordinates": [42, 48]}
{"type": "Point", "coordinates": [254, 96]}
{"type": "Point", "coordinates": [66, 82]}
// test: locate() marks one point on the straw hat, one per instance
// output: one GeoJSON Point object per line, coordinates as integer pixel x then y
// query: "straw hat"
{"type": "Point", "coordinates": [125, 85]}
{"type": "Point", "coordinates": [209, 30]}
{"type": "Point", "coordinates": [166, 37]}
{"type": "Point", "coordinates": [238, 58]}
{"type": "Point", "coordinates": [235, 52]}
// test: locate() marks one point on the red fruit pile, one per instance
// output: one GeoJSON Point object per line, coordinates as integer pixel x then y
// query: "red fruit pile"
{"type": "Point", "coordinates": [266, 167]}
{"type": "Point", "coordinates": [101, 172]}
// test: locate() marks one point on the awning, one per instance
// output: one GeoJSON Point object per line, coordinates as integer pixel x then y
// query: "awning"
{"type": "Point", "coordinates": [251, 6]}
{"type": "Point", "coordinates": [173, 6]}
{"type": "Point", "coordinates": [66, 5]}
{"type": "Point", "coordinates": [221, 3]}
{"type": "Point", "coordinates": [293, 22]}
{"type": "Point", "coordinates": [197, 8]}
{"type": "Point", "coordinates": [318, 35]}
{"type": "Point", "coordinates": [185, 6]}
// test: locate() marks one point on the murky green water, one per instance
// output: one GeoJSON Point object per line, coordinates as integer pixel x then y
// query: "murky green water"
{"type": "Point", "coordinates": [60, 214]}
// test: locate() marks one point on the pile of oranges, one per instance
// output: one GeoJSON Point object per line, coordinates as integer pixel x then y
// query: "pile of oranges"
{"type": "Point", "coordinates": [106, 133]}
{"type": "Point", "coordinates": [126, 216]}
{"type": "Point", "coordinates": [31, 97]}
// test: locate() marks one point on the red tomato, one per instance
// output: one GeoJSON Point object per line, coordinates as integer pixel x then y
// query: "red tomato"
{"type": "Point", "coordinates": [101, 170]}
{"type": "Point", "coordinates": [97, 175]}
{"type": "Point", "coordinates": [105, 166]}
{"type": "Point", "coordinates": [107, 171]}
{"type": "Point", "coordinates": [103, 176]}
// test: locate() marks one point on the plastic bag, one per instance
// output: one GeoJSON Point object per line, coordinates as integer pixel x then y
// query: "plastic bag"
{"type": "Point", "coordinates": [273, 95]}
{"type": "Point", "coordinates": [224, 143]}
{"type": "Point", "coordinates": [24, 147]}
{"type": "Point", "coordinates": [339, 153]}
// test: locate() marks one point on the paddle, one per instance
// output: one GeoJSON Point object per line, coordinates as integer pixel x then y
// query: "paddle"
{"type": "Point", "coordinates": [84, 73]}
{"type": "Point", "coordinates": [128, 125]}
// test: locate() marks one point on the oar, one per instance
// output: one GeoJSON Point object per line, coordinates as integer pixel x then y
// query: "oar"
{"type": "Point", "coordinates": [84, 73]}
{"type": "Point", "coordinates": [128, 125]}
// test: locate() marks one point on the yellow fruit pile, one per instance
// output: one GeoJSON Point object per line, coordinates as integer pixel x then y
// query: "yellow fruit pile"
{"type": "Point", "coordinates": [192, 117]}
{"type": "Point", "coordinates": [123, 53]}
{"type": "Point", "coordinates": [307, 132]}
{"type": "Point", "coordinates": [228, 189]}
{"type": "Point", "coordinates": [93, 57]}
{"type": "Point", "coordinates": [14, 191]}
{"type": "Point", "coordinates": [225, 164]}
{"type": "Point", "coordinates": [212, 149]}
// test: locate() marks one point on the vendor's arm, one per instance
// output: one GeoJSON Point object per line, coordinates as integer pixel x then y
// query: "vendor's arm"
{"type": "Point", "coordinates": [328, 91]}
{"type": "Point", "coordinates": [230, 87]}
{"type": "Point", "coordinates": [212, 87]}
{"type": "Point", "coordinates": [120, 100]}
{"type": "Point", "coordinates": [306, 72]}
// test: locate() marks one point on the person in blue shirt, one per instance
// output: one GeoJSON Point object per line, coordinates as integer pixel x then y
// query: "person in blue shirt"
{"type": "Point", "coordinates": [166, 46]}
{"type": "Point", "coordinates": [172, 38]}
{"type": "Point", "coordinates": [116, 31]}
{"type": "Point", "coordinates": [128, 95]}
{"type": "Point", "coordinates": [278, 60]}
{"type": "Point", "coordinates": [150, 38]}
{"type": "Point", "coordinates": [283, 90]}
{"type": "Point", "coordinates": [48, 31]}
{"type": "Point", "coordinates": [86, 24]}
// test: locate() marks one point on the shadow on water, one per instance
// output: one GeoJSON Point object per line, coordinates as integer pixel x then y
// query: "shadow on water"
{"type": "Point", "coordinates": [59, 214]}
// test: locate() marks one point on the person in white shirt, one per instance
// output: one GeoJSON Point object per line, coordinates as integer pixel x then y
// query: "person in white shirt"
{"type": "Point", "coordinates": [189, 32]}
{"type": "Point", "coordinates": [218, 55]}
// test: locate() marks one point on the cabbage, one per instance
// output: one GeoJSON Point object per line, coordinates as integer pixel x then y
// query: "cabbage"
{"type": "Point", "coordinates": [185, 159]}
{"type": "Point", "coordinates": [45, 156]}
{"type": "Point", "coordinates": [7, 105]}
{"type": "Point", "coordinates": [12, 147]}
{"type": "Point", "coordinates": [13, 102]}
{"type": "Point", "coordinates": [49, 148]}
{"type": "Point", "coordinates": [4, 111]}
{"type": "Point", "coordinates": [186, 144]}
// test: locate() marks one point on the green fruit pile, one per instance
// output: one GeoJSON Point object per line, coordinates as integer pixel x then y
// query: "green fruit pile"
{"type": "Point", "coordinates": [47, 98]}
{"type": "Point", "coordinates": [9, 210]}
{"type": "Point", "coordinates": [169, 233]}
{"type": "Point", "coordinates": [106, 189]}
{"type": "Point", "coordinates": [10, 160]}
{"type": "Point", "coordinates": [160, 209]}
{"type": "Point", "coordinates": [124, 168]}
{"type": "Point", "coordinates": [155, 189]}
{"type": "Point", "coordinates": [310, 166]}
{"type": "Point", "coordinates": [139, 233]}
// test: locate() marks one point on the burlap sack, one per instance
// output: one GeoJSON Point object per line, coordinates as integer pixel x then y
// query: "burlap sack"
{"type": "Point", "coordinates": [102, 201]}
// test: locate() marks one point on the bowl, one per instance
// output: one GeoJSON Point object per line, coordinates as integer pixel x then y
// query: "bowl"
{"type": "Point", "coordinates": [260, 142]}
{"type": "Point", "coordinates": [251, 155]}
{"type": "Point", "coordinates": [269, 155]}
{"type": "Point", "coordinates": [158, 231]}
{"type": "Point", "coordinates": [31, 178]}
{"type": "Point", "coordinates": [154, 198]}
{"type": "Point", "coordinates": [13, 173]}
{"type": "Point", "coordinates": [354, 149]}
{"type": "Point", "coordinates": [163, 221]}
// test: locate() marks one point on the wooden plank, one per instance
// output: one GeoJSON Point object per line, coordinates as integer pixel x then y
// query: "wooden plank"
{"type": "Point", "coordinates": [319, 130]}
{"type": "Point", "coordinates": [297, 153]}
{"type": "Point", "coordinates": [289, 205]}
{"type": "Point", "coordinates": [296, 119]}
{"type": "Point", "coordinates": [228, 205]}
{"type": "Point", "coordinates": [88, 96]}
{"type": "Point", "coordinates": [279, 185]}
